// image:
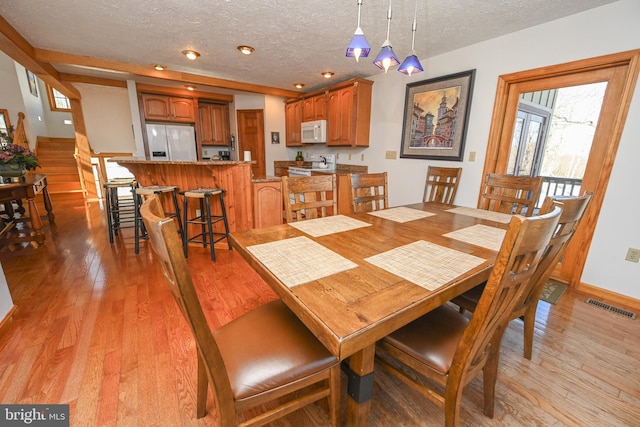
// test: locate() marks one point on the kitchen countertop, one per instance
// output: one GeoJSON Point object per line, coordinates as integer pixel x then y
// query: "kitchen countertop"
{"type": "Point", "coordinates": [179, 162]}
{"type": "Point", "coordinates": [267, 178]}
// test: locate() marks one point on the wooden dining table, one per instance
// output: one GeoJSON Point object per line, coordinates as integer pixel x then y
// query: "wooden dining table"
{"type": "Point", "coordinates": [353, 279]}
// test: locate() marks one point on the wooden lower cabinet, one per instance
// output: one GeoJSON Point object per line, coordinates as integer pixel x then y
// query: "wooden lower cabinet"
{"type": "Point", "coordinates": [267, 203]}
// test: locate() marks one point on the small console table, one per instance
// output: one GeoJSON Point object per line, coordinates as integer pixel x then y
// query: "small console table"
{"type": "Point", "coordinates": [28, 189]}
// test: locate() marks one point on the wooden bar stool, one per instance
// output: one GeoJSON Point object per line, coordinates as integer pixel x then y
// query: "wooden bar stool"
{"type": "Point", "coordinates": [205, 219]}
{"type": "Point", "coordinates": [121, 208]}
{"type": "Point", "coordinates": [162, 191]}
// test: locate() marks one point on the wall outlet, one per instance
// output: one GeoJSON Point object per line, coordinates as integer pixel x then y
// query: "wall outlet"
{"type": "Point", "coordinates": [362, 157]}
{"type": "Point", "coordinates": [390, 155]}
{"type": "Point", "coordinates": [349, 156]}
{"type": "Point", "coordinates": [472, 156]}
{"type": "Point", "coordinates": [633, 255]}
{"type": "Point", "coordinates": [337, 156]}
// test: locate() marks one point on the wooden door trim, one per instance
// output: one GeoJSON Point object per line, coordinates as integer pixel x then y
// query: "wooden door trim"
{"type": "Point", "coordinates": [621, 71]}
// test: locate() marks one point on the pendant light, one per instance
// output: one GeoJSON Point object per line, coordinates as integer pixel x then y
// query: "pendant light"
{"type": "Point", "coordinates": [411, 64]}
{"type": "Point", "coordinates": [386, 58]}
{"type": "Point", "coordinates": [358, 46]}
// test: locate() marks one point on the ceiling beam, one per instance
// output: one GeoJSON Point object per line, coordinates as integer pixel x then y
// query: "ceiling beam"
{"type": "Point", "coordinates": [18, 48]}
{"type": "Point", "coordinates": [55, 57]}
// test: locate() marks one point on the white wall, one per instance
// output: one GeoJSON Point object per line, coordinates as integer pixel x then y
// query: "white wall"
{"type": "Point", "coordinates": [608, 29]}
{"type": "Point", "coordinates": [6, 303]}
{"type": "Point", "coordinates": [107, 118]}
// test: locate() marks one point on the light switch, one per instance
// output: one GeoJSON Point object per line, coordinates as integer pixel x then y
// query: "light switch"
{"type": "Point", "coordinates": [472, 156]}
{"type": "Point", "coordinates": [391, 155]}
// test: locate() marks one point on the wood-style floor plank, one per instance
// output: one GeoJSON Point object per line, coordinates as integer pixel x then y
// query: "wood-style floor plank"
{"type": "Point", "coordinates": [96, 328]}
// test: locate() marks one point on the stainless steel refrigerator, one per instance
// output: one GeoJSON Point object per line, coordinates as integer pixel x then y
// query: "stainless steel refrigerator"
{"type": "Point", "coordinates": [171, 142]}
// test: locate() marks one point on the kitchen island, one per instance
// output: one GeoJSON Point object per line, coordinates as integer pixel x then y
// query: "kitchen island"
{"type": "Point", "coordinates": [233, 176]}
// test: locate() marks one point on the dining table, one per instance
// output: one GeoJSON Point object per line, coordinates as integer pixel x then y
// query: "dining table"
{"type": "Point", "coordinates": [354, 278]}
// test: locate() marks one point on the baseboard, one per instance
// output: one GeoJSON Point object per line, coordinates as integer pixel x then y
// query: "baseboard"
{"type": "Point", "coordinates": [608, 296]}
{"type": "Point", "coordinates": [7, 318]}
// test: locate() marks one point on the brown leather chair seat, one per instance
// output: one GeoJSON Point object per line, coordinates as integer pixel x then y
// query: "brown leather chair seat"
{"type": "Point", "coordinates": [282, 350]}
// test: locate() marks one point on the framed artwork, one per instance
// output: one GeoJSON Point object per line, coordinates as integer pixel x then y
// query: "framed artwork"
{"type": "Point", "coordinates": [33, 84]}
{"type": "Point", "coordinates": [275, 137]}
{"type": "Point", "coordinates": [436, 113]}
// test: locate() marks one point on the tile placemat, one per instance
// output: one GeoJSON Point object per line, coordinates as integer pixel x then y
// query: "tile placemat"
{"type": "Point", "coordinates": [401, 214]}
{"type": "Point", "coordinates": [480, 235]}
{"type": "Point", "coordinates": [299, 260]}
{"type": "Point", "coordinates": [328, 225]}
{"type": "Point", "coordinates": [425, 264]}
{"type": "Point", "coordinates": [482, 214]}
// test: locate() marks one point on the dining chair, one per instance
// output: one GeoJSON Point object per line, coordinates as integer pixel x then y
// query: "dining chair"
{"type": "Point", "coordinates": [572, 210]}
{"type": "Point", "coordinates": [264, 357]}
{"type": "Point", "coordinates": [511, 194]}
{"type": "Point", "coordinates": [369, 192]}
{"type": "Point", "coordinates": [441, 184]}
{"type": "Point", "coordinates": [308, 197]}
{"type": "Point", "coordinates": [448, 348]}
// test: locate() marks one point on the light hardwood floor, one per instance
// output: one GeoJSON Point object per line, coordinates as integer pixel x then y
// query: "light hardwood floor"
{"type": "Point", "coordinates": [95, 327]}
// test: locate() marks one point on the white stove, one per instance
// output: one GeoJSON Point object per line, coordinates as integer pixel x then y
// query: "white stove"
{"type": "Point", "coordinates": [321, 162]}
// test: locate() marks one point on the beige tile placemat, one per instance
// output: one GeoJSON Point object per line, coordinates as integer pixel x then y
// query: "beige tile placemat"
{"type": "Point", "coordinates": [328, 225]}
{"type": "Point", "coordinates": [480, 235]}
{"type": "Point", "coordinates": [482, 214]}
{"type": "Point", "coordinates": [425, 264]}
{"type": "Point", "coordinates": [401, 214]}
{"type": "Point", "coordinates": [299, 260]}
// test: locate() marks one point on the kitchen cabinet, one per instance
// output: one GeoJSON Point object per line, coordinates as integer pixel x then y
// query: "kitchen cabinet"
{"type": "Point", "coordinates": [213, 124]}
{"type": "Point", "coordinates": [293, 120]}
{"type": "Point", "coordinates": [267, 203]}
{"type": "Point", "coordinates": [349, 114]}
{"type": "Point", "coordinates": [168, 108]}
{"type": "Point", "coordinates": [314, 108]}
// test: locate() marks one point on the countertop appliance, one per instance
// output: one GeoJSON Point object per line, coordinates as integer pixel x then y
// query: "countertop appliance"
{"type": "Point", "coordinates": [171, 142]}
{"type": "Point", "coordinates": [321, 162]}
{"type": "Point", "coordinates": [314, 132]}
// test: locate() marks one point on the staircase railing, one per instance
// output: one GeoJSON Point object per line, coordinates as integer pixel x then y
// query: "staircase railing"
{"type": "Point", "coordinates": [19, 135]}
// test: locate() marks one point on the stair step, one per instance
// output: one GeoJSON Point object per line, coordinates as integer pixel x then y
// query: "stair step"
{"type": "Point", "coordinates": [58, 169]}
{"type": "Point", "coordinates": [62, 177]}
{"type": "Point", "coordinates": [55, 152]}
{"type": "Point", "coordinates": [59, 187]}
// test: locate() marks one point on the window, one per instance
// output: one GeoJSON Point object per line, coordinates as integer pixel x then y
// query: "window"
{"type": "Point", "coordinates": [57, 101]}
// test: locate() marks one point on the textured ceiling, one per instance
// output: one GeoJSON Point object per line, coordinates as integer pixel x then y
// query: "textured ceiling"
{"type": "Point", "coordinates": [294, 40]}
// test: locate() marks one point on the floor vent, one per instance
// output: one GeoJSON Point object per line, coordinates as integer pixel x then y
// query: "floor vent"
{"type": "Point", "coordinates": [611, 308]}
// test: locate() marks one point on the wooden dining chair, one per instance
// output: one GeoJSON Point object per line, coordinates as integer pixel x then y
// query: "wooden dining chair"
{"type": "Point", "coordinates": [369, 192]}
{"type": "Point", "coordinates": [308, 197]}
{"type": "Point", "coordinates": [264, 357]}
{"type": "Point", "coordinates": [511, 194]}
{"type": "Point", "coordinates": [448, 348]}
{"type": "Point", "coordinates": [572, 210]}
{"type": "Point", "coordinates": [441, 184]}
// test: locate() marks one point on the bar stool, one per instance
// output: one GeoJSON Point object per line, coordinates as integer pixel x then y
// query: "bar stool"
{"type": "Point", "coordinates": [121, 209]}
{"type": "Point", "coordinates": [161, 191]}
{"type": "Point", "coordinates": [205, 219]}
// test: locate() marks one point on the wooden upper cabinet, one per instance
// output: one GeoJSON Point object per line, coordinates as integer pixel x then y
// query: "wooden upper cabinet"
{"type": "Point", "coordinates": [314, 108]}
{"type": "Point", "coordinates": [349, 114]}
{"type": "Point", "coordinates": [213, 124]}
{"type": "Point", "coordinates": [167, 108]}
{"type": "Point", "coordinates": [293, 120]}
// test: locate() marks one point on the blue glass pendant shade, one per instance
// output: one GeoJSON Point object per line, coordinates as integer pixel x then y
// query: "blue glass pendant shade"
{"type": "Point", "coordinates": [386, 58]}
{"type": "Point", "coordinates": [410, 65]}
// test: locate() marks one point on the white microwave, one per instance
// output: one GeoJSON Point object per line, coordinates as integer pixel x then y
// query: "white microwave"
{"type": "Point", "coordinates": [314, 132]}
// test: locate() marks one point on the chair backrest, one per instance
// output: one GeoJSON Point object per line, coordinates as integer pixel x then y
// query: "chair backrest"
{"type": "Point", "coordinates": [441, 184]}
{"type": "Point", "coordinates": [572, 211]}
{"type": "Point", "coordinates": [308, 197]}
{"type": "Point", "coordinates": [369, 192]}
{"type": "Point", "coordinates": [167, 245]}
{"type": "Point", "coordinates": [511, 194]}
{"type": "Point", "coordinates": [522, 250]}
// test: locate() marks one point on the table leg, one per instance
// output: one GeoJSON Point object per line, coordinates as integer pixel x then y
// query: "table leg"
{"type": "Point", "coordinates": [36, 222]}
{"type": "Point", "coordinates": [47, 204]}
{"type": "Point", "coordinates": [360, 386]}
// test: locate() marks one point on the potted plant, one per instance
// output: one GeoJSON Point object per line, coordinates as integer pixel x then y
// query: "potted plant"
{"type": "Point", "coordinates": [15, 159]}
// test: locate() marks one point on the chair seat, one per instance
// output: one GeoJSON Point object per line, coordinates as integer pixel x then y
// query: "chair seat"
{"type": "Point", "coordinates": [201, 193]}
{"type": "Point", "coordinates": [436, 348]}
{"type": "Point", "coordinates": [156, 189]}
{"type": "Point", "coordinates": [269, 347]}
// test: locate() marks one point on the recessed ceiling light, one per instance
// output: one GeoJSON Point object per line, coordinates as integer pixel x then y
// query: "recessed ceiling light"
{"type": "Point", "coordinates": [191, 54]}
{"type": "Point", "coordinates": [190, 87]}
{"type": "Point", "coordinates": [327, 74]}
{"type": "Point", "coordinates": [159, 67]}
{"type": "Point", "coordinates": [246, 50]}
{"type": "Point", "coordinates": [299, 85]}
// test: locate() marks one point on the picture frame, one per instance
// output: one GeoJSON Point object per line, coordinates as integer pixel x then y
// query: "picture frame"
{"type": "Point", "coordinates": [33, 84]}
{"type": "Point", "coordinates": [436, 114]}
{"type": "Point", "coordinates": [275, 137]}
